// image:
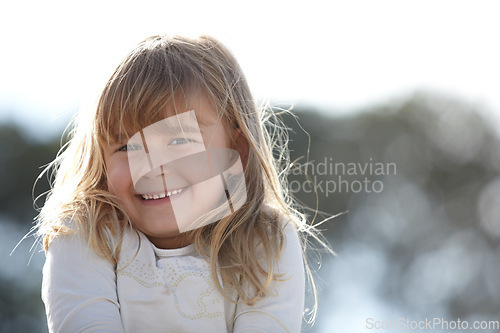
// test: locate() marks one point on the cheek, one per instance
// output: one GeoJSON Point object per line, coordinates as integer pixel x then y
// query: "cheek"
{"type": "Point", "coordinates": [118, 177]}
{"type": "Point", "coordinates": [216, 138]}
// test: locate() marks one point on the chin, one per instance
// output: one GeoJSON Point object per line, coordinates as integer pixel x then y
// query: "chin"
{"type": "Point", "coordinates": [159, 229]}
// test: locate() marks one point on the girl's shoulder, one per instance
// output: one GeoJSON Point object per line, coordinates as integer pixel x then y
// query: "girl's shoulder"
{"type": "Point", "coordinates": [286, 223]}
{"type": "Point", "coordinates": [287, 227]}
{"type": "Point", "coordinates": [78, 284]}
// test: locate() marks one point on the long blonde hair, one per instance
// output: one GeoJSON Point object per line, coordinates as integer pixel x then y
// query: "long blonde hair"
{"type": "Point", "coordinates": [151, 77]}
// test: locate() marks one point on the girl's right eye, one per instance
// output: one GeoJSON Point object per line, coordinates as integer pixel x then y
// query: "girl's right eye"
{"type": "Point", "coordinates": [129, 147]}
{"type": "Point", "coordinates": [180, 141]}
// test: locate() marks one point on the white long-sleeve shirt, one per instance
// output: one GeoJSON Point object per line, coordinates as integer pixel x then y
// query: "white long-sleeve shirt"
{"type": "Point", "coordinates": [157, 290]}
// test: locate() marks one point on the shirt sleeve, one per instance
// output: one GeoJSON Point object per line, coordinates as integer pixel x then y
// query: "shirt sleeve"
{"type": "Point", "coordinates": [79, 288]}
{"type": "Point", "coordinates": [281, 312]}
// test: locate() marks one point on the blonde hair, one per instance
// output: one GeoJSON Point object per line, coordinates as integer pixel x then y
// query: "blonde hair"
{"type": "Point", "coordinates": [160, 72]}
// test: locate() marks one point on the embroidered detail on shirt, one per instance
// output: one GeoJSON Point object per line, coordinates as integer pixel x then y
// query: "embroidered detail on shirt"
{"type": "Point", "coordinates": [183, 277]}
{"type": "Point", "coordinates": [147, 276]}
{"type": "Point", "coordinates": [187, 279]}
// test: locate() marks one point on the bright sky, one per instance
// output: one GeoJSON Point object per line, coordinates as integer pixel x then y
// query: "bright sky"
{"type": "Point", "coordinates": [336, 54]}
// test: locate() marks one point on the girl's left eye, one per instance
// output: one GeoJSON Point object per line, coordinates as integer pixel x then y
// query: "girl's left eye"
{"type": "Point", "coordinates": [180, 141]}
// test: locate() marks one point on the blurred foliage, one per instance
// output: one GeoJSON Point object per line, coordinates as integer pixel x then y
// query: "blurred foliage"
{"type": "Point", "coordinates": [20, 164]}
{"type": "Point", "coordinates": [426, 245]}
{"type": "Point", "coordinates": [21, 309]}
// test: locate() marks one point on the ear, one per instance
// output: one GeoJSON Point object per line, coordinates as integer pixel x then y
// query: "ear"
{"type": "Point", "coordinates": [241, 145]}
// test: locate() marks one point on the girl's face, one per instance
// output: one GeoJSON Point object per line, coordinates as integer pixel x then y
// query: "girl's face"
{"type": "Point", "coordinates": [162, 177]}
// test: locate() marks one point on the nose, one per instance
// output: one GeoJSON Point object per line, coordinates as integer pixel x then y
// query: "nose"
{"type": "Point", "coordinates": [161, 171]}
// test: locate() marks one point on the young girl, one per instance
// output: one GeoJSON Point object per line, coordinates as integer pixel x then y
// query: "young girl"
{"type": "Point", "coordinates": [168, 212]}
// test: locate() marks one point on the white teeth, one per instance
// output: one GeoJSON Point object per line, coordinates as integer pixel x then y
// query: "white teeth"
{"type": "Point", "coordinates": [160, 196]}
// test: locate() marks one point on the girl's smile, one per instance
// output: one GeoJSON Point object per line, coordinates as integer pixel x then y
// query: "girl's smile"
{"type": "Point", "coordinates": [156, 199]}
{"type": "Point", "coordinates": [167, 195]}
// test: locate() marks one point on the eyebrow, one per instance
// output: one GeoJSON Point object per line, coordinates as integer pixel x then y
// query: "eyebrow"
{"type": "Point", "coordinates": [179, 128]}
{"type": "Point", "coordinates": [119, 138]}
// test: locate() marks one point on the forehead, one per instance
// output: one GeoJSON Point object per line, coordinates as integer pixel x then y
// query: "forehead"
{"type": "Point", "coordinates": [203, 112]}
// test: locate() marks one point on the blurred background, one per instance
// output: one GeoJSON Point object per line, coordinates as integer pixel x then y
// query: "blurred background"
{"type": "Point", "coordinates": [398, 121]}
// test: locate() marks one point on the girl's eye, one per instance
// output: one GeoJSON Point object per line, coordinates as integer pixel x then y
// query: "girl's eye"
{"type": "Point", "coordinates": [180, 141]}
{"type": "Point", "coordinates": [129, 147]}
